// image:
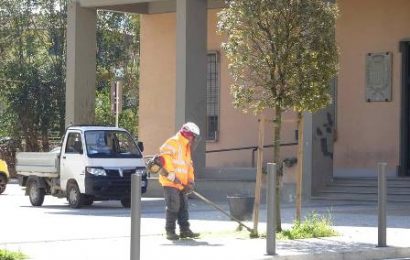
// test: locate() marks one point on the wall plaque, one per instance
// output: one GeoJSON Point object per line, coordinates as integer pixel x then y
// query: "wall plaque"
{"type": "Point", "coordinates": [378, 77]}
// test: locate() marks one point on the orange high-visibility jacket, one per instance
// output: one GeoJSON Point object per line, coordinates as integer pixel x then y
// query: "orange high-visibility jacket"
{"type": "Point", "coordinates": [176, 152]}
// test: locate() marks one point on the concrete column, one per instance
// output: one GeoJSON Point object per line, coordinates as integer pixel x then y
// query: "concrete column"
{"type": "Point", "coordinates": [81, 64]}
{"type": "Point", "coordinates": [191, 69]}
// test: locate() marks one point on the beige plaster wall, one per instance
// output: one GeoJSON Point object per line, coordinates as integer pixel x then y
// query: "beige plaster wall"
{"type": "Point", "coordinates": [157, 97]}
{"type": "Point", "coordinates": [368, 132]}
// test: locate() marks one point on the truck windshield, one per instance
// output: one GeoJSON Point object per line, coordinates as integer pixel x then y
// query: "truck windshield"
{"type": "Point", "coordinates": [111, 144]}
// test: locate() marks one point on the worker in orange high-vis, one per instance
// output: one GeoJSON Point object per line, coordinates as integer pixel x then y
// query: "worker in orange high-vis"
{"type": "Point", "coordinates": [176, 159]}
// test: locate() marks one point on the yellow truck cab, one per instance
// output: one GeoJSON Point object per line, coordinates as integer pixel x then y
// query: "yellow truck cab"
{"type": "Point", "coordinates": [4, 176]}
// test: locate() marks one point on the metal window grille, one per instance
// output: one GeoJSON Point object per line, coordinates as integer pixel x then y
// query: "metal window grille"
{"type": "Point", "coordinates": [212, 103]}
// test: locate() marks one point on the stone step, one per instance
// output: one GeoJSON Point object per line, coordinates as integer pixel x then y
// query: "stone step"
{"type": "Point", "coordinates": [364, 189]}
{"type": "Point", "coordinates": [392, 180]}
{"type": "Point", "coordinates": [368, 184]}
{"type": "Point", "coordinates": [358, 197]}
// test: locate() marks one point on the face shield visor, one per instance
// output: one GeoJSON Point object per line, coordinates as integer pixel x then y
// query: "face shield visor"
{"type": "Point", "coordinates": [193, 138]}
{"type": "Point", "coordinates": [195, 142]}
{"type": "Point", "coordinates": [191, 131]}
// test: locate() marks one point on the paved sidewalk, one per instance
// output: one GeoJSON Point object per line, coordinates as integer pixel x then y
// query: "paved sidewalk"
{"type": "Point", "coordinates": [357, 225]}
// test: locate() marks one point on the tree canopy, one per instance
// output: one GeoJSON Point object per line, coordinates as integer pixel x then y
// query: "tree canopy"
{"type": "Point", "coordinates": [33, 68]}
{"type": "Point", "coordinates": [281, 52]}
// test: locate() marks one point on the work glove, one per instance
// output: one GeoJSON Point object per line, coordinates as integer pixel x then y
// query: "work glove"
{"type": "Point", "coordinates": [189, 188]}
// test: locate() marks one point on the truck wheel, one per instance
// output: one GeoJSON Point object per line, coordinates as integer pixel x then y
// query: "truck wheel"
{"type": "Point", "coordinates": [35, 193]}
{"type": "Point", "coordinates": [126, 202]}
{"type": "Point", "coordinates": [3, 183]}
{"type": "Point", "coordinates": [74, 196]}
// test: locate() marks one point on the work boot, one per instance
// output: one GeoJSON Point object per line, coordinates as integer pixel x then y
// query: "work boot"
{"type": "Point", "coordinates": [188, 234]}
{"type": "Point", "coordinates": [172, 236]}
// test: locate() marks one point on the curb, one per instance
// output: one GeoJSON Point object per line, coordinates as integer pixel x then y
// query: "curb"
{"type": "Point", "coordinates": [376, 253]}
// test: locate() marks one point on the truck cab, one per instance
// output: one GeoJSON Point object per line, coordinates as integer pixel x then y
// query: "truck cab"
{"type": "Point", "coordinates": [94, 163]}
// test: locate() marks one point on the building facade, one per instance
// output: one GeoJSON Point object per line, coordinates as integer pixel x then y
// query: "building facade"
{"type": "Point", "coordinates": [185, 77]}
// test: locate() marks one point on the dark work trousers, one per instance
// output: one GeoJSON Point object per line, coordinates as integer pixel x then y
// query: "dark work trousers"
{"type": "Point", "coordinates": [176, 209]}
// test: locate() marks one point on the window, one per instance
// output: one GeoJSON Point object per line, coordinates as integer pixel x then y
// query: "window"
{"type": "Point", "coordinates": [74, 144]}
{"type": "Point", "coordinates": [212, 103]}
{"type": "Point", "coordinates": [110, 144]}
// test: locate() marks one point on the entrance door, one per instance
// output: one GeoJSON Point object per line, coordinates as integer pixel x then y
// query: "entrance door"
{"type": "Point", "coordinates": [404, 168]}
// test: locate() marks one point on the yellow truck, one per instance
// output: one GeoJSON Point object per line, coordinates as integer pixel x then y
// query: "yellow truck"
{"type": "Point", "coordinates": [4, 176]}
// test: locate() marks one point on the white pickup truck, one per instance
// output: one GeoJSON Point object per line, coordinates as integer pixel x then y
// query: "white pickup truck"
{"type": "Point", "coordinates": [93, 163]}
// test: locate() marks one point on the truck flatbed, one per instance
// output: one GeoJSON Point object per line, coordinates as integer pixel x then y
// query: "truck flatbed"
{"type": "Point", "coordinates": [38, 164]}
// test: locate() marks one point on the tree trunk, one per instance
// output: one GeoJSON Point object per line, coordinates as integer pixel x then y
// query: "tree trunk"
{"type": "Point", "coordinates": [45, 142]}
{"type": "Point", "coordinates": [277, 161]}
{"type": "Point", "coordinates": [258, 184]}
{"type": "Point", "coordinates": [299, 171]}
{"type": "Point", "coordinates": [31, 140]}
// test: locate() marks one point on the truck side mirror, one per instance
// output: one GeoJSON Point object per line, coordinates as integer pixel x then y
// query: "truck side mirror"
{"type": "Point", "coordinates": [141, 146]}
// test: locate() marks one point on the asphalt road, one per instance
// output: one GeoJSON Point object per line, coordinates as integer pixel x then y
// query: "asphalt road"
{"type": "Point", "coordinates": [102, 231]}
{"type": "Point", "coordinates": [56, 221]}
{"type": "Point", "coordinates": [103, 228]}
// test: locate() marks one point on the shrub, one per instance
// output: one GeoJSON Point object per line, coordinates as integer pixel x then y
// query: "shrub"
{"type": "Point", "coordinates": [314, 225]}
{"type": "Point", "coordinates": [9, 255]}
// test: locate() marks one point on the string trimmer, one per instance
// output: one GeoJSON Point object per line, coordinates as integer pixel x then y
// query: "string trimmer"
{"type": "Point", "coordinates": [154, 165]}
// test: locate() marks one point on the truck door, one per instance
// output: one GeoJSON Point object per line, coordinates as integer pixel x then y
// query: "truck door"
{"type": "Point", "coordinates": [73, 160]}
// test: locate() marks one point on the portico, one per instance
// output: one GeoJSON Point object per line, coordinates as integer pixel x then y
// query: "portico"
{"type": "Point", "coordinates": [189, 99]}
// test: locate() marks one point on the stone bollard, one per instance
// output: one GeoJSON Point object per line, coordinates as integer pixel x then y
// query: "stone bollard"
{"type": "Point", "coordinates": [270, 200]}
{"type": "Point", "coordinates": [135, 216]}
{"type": "Point", "coordinates": [381, 169]}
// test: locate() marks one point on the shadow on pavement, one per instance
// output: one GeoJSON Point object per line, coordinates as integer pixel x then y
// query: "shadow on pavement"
{"type": "Point", "coordinates": [190, 242]}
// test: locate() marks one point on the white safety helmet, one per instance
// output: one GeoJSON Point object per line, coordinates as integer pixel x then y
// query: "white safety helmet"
{"type": "Point", "coordinates": [190, 128]}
